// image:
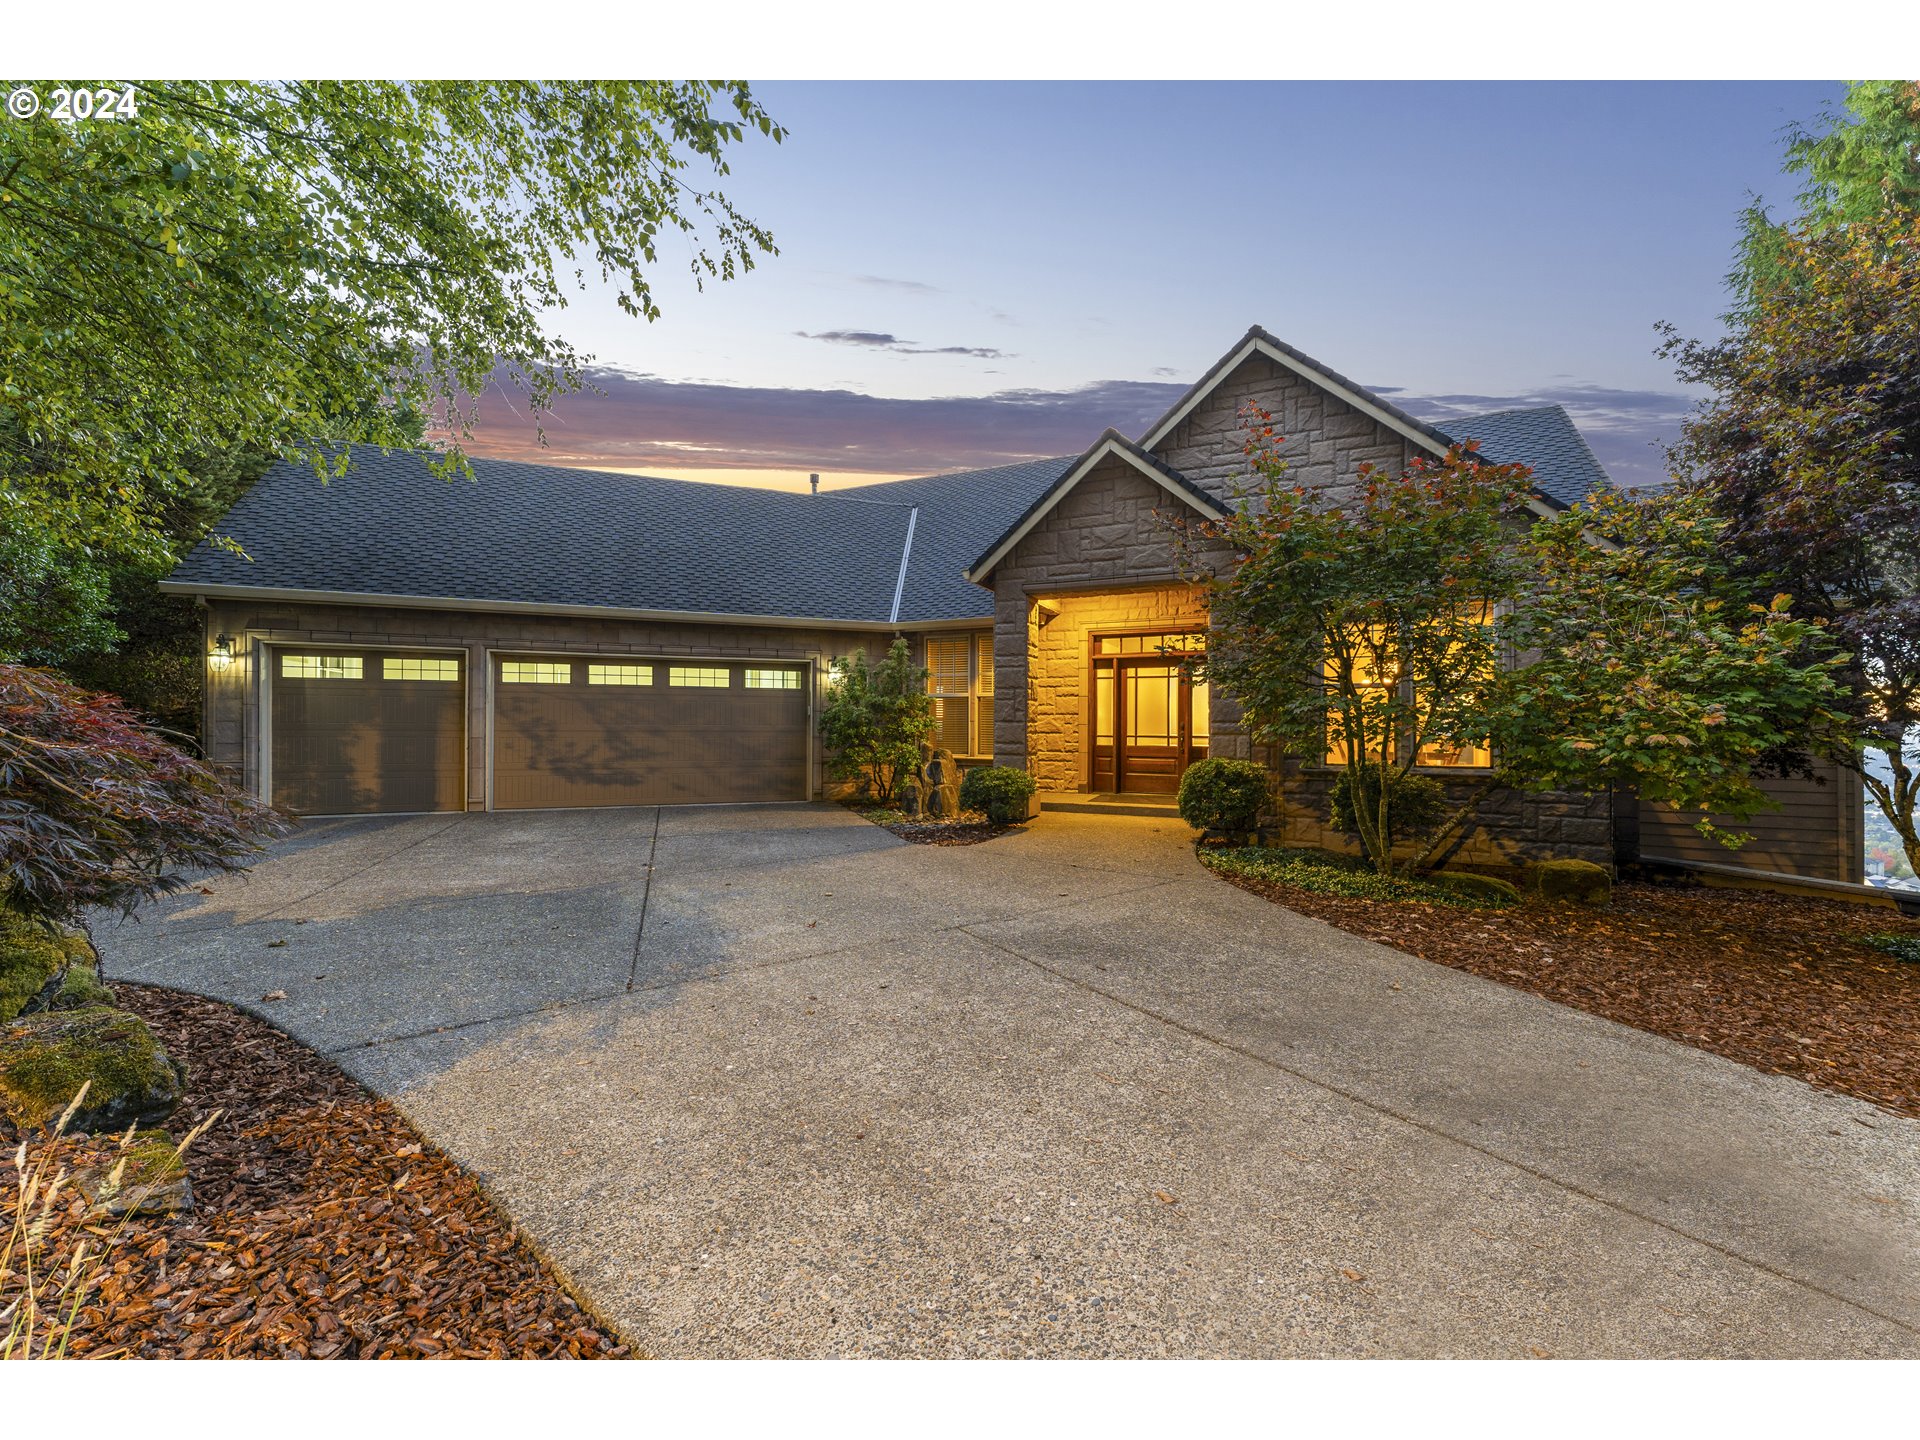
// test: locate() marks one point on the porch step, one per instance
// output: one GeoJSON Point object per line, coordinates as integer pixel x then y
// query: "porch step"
{"type": "Point", "coordinates": [1076, 803]}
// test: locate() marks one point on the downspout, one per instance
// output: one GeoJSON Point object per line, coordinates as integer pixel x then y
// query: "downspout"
{"type": "Point", "coordinates": [906, 553]}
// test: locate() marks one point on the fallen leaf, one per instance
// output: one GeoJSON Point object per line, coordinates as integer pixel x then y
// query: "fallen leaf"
{"type": "Point", "coordinates": [274, 995]}
{"type": "Point", "coordinates": [1165, 1199]}
{"type": "Point", "coordinates": [1353, 1275]}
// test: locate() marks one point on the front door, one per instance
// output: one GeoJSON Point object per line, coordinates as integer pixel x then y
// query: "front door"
{"type": "Point", "coordinates": [1150, 723]}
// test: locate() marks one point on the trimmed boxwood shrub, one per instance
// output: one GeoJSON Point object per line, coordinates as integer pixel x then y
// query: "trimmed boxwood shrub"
{"type": "Point", "coordinates": [1000, 792]}
{"type": "Point", "coordinates": [1416, 803]}
{"type": "Point", "coordinates": [1580, 881]}
{"type": "Point", "coordinates": [1223, 797]}
{"type": "Point", "coordinates": [1489, 889]}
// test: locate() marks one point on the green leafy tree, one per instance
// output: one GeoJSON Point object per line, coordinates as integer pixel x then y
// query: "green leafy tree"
{"type": "Point", "coordinates": [1640, 662]}
{"type": "Point", "coordinates": [876, 718]}
{"type": "Point", "coordinates": [1361, 627]}
{"type": "Point", "coordinates": [1864, 163]}
{"type": "Point", "coordinates": [1808, 454]}
{"type": "Point", "coordinates": [1428, 617]}
{"type": "Point", "coordinates": [56, 603]}
{"type": "Point", "coordinates": [276, 266]}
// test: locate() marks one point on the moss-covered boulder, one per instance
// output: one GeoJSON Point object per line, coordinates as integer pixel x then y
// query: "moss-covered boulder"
{"type": "Point", "coordinates": [1488, 890]}
{"type": "Point", "coordinates": [46, 1058]}
{"type": "Point", "coordinates": [147, 1177]}
{"type": "Point", "coordinates": [31, 956]}
{"type": "Point", "coordinates": [1580, 881]}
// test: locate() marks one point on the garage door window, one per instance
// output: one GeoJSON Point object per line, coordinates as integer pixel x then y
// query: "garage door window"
{"type": "Point", "coordinates": [619, 674]}
{"type": "Point", "coordinates": [700, 677]}
{"type": "Point", "coordinates": [320, 667]}
{"type": "Point", "coordinates": [534, 672]}
{"type": "Point", "coordinates": [773, 679]}
{"type": "Point", "coordinates": [414, 667]}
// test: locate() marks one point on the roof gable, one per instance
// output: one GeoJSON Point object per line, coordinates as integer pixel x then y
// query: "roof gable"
{"type": "Point", "coordinates": [1111, 444]}
{"type": "Point", "coordinates": [1258, 341]}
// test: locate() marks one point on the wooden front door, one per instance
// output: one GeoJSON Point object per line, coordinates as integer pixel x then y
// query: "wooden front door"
{"type": "Point", "coordinates": [1150, 722]}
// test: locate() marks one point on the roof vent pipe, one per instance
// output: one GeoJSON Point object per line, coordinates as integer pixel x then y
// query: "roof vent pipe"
{"type": "Point", "coordinates": [814, 481]}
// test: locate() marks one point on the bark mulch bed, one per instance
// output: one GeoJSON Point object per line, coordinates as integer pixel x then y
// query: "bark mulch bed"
{"type": "Point", "coordinates": [969, 828]}
{"type": "Point", "coordinates": [323, 1226]}
{"type": "Point", "coordinates": [1774, 981]}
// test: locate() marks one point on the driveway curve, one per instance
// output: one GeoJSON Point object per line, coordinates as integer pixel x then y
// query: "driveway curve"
{"type": "Point", "coordinates": [769, 1082]}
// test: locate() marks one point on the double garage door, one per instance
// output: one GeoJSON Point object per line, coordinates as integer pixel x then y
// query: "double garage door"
{"type": "Point", "coordinates": [371, 732]}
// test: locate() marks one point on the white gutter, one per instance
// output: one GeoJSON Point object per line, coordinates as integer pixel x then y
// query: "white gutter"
{"type": "Point", "coordinates": [906, 553]}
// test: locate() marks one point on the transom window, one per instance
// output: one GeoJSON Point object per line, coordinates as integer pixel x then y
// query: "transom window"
{"type": "Point", "coordinates": [960, 679]}
{"type": "Point", "coordinates": [773, 679]}
{"type": "Point", "coordinates": [418, 667]}
{"type": "Point", "coordinates": [1181, 642]}
{"type": "Point", "coordinates": [700, 677]}
{"type": "Point", "coordinates": [619, 674]}
{"type": "Point", "coordinates": [321, 667]}
{"type": "Point", "coordinates": [535, 672]}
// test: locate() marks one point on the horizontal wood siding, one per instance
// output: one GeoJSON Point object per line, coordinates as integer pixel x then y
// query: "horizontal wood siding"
{"type": "Point", "coordinates": [1818, 831]}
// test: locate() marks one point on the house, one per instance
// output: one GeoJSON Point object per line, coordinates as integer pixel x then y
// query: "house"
{"type": "Point", "coordinates": [539, 637]}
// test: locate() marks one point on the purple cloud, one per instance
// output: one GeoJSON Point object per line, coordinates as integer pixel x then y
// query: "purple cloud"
{"type": "Point", "coordinates": [642, 421]}
{"type": "Point", "coordinates": [880, 340]}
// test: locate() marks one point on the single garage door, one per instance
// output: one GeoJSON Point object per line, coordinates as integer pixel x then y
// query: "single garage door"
{"type": "Point", "coordinates": [604, 731]}
{"type": "Point", "coordinates": [368, 732]}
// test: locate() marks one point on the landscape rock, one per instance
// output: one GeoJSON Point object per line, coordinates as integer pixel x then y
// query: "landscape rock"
{"type": "Point", "coordinates": [933, 791]}
{"type": "Point", "coordinates": [46, 1058]}
{"type": "Point", "coordinates": [148, 1178]}
{"type": "Point", "coordinates": [32, 957]}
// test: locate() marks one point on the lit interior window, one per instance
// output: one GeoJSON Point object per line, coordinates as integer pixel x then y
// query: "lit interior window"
{"type": "Point", "coordinates": [535, 672]}
{"type": "Point", "coordinates": [320, 667]}
{"type": "Point", "coordinates": [701, 677]}
{"type": "Point", "coordinates": [773, 679]}
{"type": "Point", "coordinates": [619, 674]}
{"type": "Point", "coordinates": [418, 667]}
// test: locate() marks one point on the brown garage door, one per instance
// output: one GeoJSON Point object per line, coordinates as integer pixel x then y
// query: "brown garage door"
{"type": "Point", "coordinates": [368, 732]}
{"type": "Point", "coordinates": [605, 731]}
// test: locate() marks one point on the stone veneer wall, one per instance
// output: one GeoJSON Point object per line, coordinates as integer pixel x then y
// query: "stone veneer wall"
{"type": "Point", "coordinates": [1327, 440]}
{"type": "Point", "coordinates": [1105, 534]}
{"type": "Point", "coordinates": [1104, 557]}
{"type": "Point", "coordinates": [233, 694]}
{"type": "Point", "coordinates": [1058, 718]}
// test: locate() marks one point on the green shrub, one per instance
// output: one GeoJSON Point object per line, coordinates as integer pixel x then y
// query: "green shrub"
{"type": "Point", "coordinates": [1415, 803]}
{"type": "Point", "coordinates": [999, 791]}
{"type": "Point", "coordinates": [875, 718]}
{"type": "Point", "coordinates": [1488, 889]}
{"type": "Point", "coordinates": [1901, 947]}
{"type": "Point", "coordinates": [1580, 881]}
{"type": "Point", "coordinates": [1324, 873]}
{"type": "Point", "coordinates": [1223, 797]}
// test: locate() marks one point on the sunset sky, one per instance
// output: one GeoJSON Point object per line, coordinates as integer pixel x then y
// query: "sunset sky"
{"type": "Point", "coordinates": [974, 274]}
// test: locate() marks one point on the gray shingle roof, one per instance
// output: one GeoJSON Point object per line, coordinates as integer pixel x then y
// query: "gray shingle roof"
{"type": "Point", "coordinates": [542, 534]}
{"type": "Point", "coordinates": [1543, 437]}
{"type": "Point", "coordinates": [961, 515]}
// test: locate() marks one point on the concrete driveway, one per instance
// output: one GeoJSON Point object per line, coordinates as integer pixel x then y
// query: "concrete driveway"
{"type": "Point", "coordinates": [767, 1081]}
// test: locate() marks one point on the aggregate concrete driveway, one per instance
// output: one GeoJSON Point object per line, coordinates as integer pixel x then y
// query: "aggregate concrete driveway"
{"type": "Point", "coordinates": [770, 1082]}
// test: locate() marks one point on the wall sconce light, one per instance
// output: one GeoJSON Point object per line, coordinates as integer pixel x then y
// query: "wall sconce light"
{"type": "Point", "coordinates": [1045, 613]}
{"type": "Point", "coordinates": [222, 655]}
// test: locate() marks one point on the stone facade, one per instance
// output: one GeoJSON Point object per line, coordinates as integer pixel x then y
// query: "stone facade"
{"type": "Point", "coordinates": [1104, 558]}
{"type": "Point", "coordinates": [233, 727]}
{"type": "Point", "coordinates": [1327, 440]}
